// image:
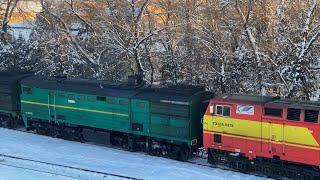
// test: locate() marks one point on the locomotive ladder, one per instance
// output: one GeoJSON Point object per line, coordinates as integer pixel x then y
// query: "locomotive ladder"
{"type": "Point", "coordinates": [283, 139]}
{"type": "Point", "coordinates": [52, 107]}
{"type": "Point", "coordinates": [49, 110]}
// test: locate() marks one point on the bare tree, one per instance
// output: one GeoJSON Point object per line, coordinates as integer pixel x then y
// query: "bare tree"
{"type": "Point", "coordinates": [231, 46]}
{"type": "Point", "coordinates": [309, 35]}
{"type": "Point", "coordinates": [7, 8]}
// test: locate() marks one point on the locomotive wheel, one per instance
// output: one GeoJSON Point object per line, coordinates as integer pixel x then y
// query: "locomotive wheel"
{"type": "Point", "coordinates": [211, 157]}
{"type": "Point", "coordinates": [184, 153]}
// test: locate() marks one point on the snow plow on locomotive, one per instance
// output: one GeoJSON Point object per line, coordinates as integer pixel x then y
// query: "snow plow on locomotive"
{"type": "Point", "coordinates": [278, 137]}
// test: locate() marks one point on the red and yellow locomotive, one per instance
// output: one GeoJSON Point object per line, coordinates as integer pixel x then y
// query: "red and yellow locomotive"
{"type": "Point", "coordinates": [261, 133]}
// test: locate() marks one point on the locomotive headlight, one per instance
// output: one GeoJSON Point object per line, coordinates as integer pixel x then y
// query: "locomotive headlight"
{"type": "Point", "coordinates": [211, 109]}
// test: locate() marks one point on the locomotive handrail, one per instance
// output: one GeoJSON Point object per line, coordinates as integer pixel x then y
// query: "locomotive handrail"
{"type": "Point", "coordinates": [49, 110]}
{"type": "Point", "coordinates": [54, 108]}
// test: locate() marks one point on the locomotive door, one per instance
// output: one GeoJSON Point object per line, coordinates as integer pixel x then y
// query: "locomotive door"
{"type": "Point", "coordinates": [276, 138]}
{"type": "Point", "coordinates": [139, 116]}
{"type": "Point", "coordinates": [52, 106]}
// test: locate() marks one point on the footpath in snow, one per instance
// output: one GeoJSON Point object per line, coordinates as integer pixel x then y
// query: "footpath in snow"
{"type": "Point", "coordinates": [92, 157]}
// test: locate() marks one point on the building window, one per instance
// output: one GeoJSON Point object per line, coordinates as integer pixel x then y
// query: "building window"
{"type": "Point", "coordinates": [273, 112]}
{"type": "Point", "coordinates": [311, 116]}
{"type": "Point", "coordinates": [140, 104]}
{"type": "Point", "coordinates": [222, 110]}
{"type": "Point", "coordinates": [123, 102]}
{"type": "Point", "coordinates": [111, 101]}
{"type": "Point", "coordinates": [293, 114]}
{"type": "Point", "coordinates": [101, 98]}
{"type": "Point", "coordinates": [27, 90]}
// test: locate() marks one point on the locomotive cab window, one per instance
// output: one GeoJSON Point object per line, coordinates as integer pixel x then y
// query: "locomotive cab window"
{"type": "Point", "coordinates": [273, 112]}
{"type": "Point", "coordinates": [223, 110]}
{"type": "Point", "coordinates": [311, 116]}
{"type": "Point", "coordinates": [293, 114]}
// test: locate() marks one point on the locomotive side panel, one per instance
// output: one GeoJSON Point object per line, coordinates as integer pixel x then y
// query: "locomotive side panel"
{"type": "Point", "coordinates": [169, 115]}
{"type": "Point", "coordinates": [77, 109]}
{"type": "Point", "coordinates": [288, 137]}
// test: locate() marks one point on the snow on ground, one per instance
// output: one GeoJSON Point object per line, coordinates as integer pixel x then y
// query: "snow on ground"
{"type": "Point", "coordinates": [98, 158]}
{"type": "Point", "coordinates": [10, 173]}
{"type": "Point", "coordinates": [17, 168]}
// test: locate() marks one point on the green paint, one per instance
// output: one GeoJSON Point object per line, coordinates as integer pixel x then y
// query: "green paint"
{"type": "Point", "coordinates": [172, 122]}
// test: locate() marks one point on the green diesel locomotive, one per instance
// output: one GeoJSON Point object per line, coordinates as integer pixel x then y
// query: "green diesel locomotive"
{"type": "Point", "coordinates": [160, 121]}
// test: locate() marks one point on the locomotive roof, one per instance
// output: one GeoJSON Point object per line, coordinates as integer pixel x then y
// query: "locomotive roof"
{"type": "Point", "coordinates": [247, 98]}
{"type": "Point", "coordinates": [9, 77]}
{"type": "Point", "coordinates": [103, 88]}
{"type": "Point", "coordinates": [271, 101]}
{"type": "Point", "coordinates": [291, 103]}
{"type": "Point", "coordinates": [9, 80]}
{"type": "Point", "coordinates": [181, 93]}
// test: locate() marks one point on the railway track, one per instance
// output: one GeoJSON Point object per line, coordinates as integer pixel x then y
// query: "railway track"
{"type": "Point", "coordinates": [41, 171]}
{"type": "Point", "coordinates": [222, 168]}
{"type": "Point", "coordinates": [5, 157]}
